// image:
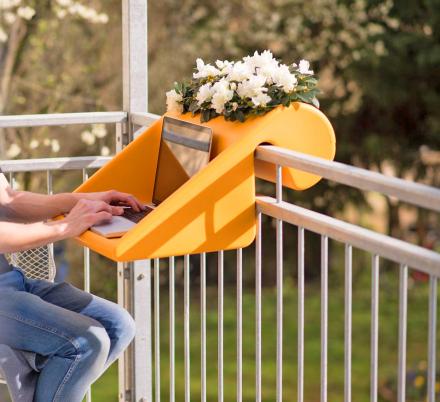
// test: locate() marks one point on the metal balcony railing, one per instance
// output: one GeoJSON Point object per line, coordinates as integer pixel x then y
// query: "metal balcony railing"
{"type": "Point", "coordinates": [150, 367]}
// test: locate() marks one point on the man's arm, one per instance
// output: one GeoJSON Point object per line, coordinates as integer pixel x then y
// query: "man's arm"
{"type": "Point", "coordinates": [23, 206]}
{"type": "Point", "coordinates": [17, 236]}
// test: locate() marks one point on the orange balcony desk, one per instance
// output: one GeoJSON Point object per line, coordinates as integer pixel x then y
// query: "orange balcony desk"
{"type": "Point", "coordinates": [215, 209]}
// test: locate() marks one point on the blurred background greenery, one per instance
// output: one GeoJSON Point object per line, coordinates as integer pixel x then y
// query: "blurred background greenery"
{"type": "Point", "coordinates": [378, 65]}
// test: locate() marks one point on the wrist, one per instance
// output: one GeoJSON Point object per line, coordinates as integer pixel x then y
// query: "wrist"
{"type": "Point", "coordinates": [66, 201]}
{"type": "Point", "coordinates": [61, 230]}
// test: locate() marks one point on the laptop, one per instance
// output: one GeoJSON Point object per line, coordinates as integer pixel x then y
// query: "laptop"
{"type": "Point", "coordinates": [184, 150]}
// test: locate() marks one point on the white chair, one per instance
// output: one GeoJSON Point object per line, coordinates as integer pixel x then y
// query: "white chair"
{"type": "Point", "coordinates": [37, 263]}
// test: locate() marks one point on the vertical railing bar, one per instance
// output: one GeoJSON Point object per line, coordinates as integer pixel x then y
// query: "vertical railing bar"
{"type": "Point", "coordinates": [348, 320]}
{"type": "Point", "coordinates": [324, 316]}
{"type": "Point", "coordinates": [220, 325]}
{"type": "Point", "coordinates": [49, 182]}
{"type": "Point", "coordinates": [186, 329]}
{"type": "Point", "coordinates": [86, 251]}
{"type": "Point", "coordinates": [432, 337]}
{"type": "Point", "coordinates": [156, 330]}
{"type": "Point", "coordinates": [403, 310]}
{"type": "Point", "coordinates": [239, 325]}
{"type": "Point", "coordinates": [300, 314]}
{"type": "Point", "coordinates": [279, 262]}
{"type": "Point", "coordinates": [172, 329]}
{"type": "Point", "coordinates": [374, 326]}
{"type": "Point", "coordinates": [86, 258]}
{"type": "Point", "coordinates": [203, 323]}
{"type": "Point", "coordinates": [279, 183]}
{"type": "Point", "coordinates": [258, 257]}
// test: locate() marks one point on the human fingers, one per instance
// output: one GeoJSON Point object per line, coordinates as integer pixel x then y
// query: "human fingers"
{"type": "Point", "coordinates": [100, 217]}
{"type": "Point", "coordinates": [127, 199]}
{"type": "Point", "coordinates": [98, 206]}
{"type": "Point", "coordinates": [116, 210]}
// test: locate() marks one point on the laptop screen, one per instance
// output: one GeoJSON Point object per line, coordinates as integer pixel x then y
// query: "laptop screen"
{"type": "Point", "coordinates": [184, 150]}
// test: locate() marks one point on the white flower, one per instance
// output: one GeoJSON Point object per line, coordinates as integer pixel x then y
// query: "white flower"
{"type": "Point", "coordinates": [265, 60]}
{"type": "Point", "coordinates": [34, 144]}
{"type": "Point", "coordinates": [205, 70]}
{"type": "Point", "coordinates": [173, 101]}
{"type": "Point", "coordinates": [8, 4]}
{"type": "Point", "coordinates": [3, 35]}
{"type": "Point", "coordinates": [55, 144]}
{"type": "Point", "coordinates": [261, 99]}
{"type": "Point", "coordinates": [252, 87]}
{"type": "Point", "coordinates": [10, 17]}
{"type": "Point", "coordinates": [303, 67]}
{"type": "Point", "coordinates": [224, 66]}
{"type": "Point", "coordinates": [102, 18]}
{"type": "Point", "coordinates": [64, 3]}
{"type": "Point", "coordinates": [13, 151]}
{"type": "Point", "coordinates": [222, 95]}
{"type": "Point", "coordinates": [205, 93]}
{"type": "Point", "coordinates": [284, 79]}
{"type": "Point", "coordinates": [239, 72]}
{"type": "Point", "coordinates": [60, 13]}
{"type": "Point", "coordinates": [268, 73]}
{"type": "Point", "coordinates": [26, 12]}
{"type": "Point", "coordinates": [87, 137]}
{"type": "Point", "coordinates": [99, 130]}
{"type": "Point", "coordinates": [105, 151]}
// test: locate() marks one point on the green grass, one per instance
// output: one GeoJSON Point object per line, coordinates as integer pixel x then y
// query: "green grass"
{"type": "Point", "coordinates": [106, 388]}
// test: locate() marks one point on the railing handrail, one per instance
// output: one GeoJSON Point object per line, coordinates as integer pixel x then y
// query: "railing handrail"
{"type": "Point", "coordinates": [61, 119]}
{"type": "Point", "coordinates": [414, 193]}
{"type": "Point", "coordinates": [411, 192]}
{"type": "Point", "coordinates": [48, 164]}
{"type": "Point", "coordinates": [393, 249]}
{"type": "Point", "coordinates": [143, 118]}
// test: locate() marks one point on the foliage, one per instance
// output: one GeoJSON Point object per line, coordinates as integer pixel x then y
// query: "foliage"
{"type": "Point", "coordinates": [40, 74]}
{"type": "Point", "coordinates": [416, 384]}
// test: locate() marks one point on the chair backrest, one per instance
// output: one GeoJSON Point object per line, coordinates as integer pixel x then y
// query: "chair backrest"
{"type": "Point", "coordinates": [37, 263]}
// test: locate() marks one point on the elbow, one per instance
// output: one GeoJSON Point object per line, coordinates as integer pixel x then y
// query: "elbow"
{"type": "Point", "coordinates": [7, 197]}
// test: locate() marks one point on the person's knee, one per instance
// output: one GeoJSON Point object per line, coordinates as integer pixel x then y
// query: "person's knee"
{"type": "Point", "coordinates": [124, 328]}
{"type": "Point", "coordinates": [94, 344]}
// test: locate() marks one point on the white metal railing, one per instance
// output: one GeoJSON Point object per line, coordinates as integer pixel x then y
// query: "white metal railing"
{"type": "Point", "coordinates": [379, 245]}
{"type": "Point", "coordinates": [409, 256]}
{"type": "Point", "coordinates": [60, 119]}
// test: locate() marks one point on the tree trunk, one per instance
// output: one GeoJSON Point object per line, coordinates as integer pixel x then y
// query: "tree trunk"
{"type": "Point", "coordinates": [7, 64]}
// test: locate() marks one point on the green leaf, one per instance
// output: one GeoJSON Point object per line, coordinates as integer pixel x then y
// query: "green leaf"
{"type": "Point", "coordinates": [240, 116]}
{"type": "Point", "coordinates": [204, 117]}
{"type": "Point", "coordinates": [193, 107]}
{"type": "Point", "coordinates": [315, 102]}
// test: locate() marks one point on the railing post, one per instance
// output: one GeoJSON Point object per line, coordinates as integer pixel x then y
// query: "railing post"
{"type": "Point", "coordinates": [134, 278]}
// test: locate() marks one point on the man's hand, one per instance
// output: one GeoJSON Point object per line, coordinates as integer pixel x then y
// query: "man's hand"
{"type": "Point", "coordinates": [87, 213]}
{"type": "Point", "coordinates": [114, 197]}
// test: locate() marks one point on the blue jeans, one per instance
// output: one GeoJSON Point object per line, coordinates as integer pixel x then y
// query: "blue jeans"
{"type": "Point", "coordinates": [75, 335]}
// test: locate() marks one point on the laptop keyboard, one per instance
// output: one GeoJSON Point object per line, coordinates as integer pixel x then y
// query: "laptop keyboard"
{"type": "Point", "coordinates": [132, 215]}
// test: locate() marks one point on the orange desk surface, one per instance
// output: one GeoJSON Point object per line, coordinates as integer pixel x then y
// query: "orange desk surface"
{"type": "Point", "coordinates": [215, 209]}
